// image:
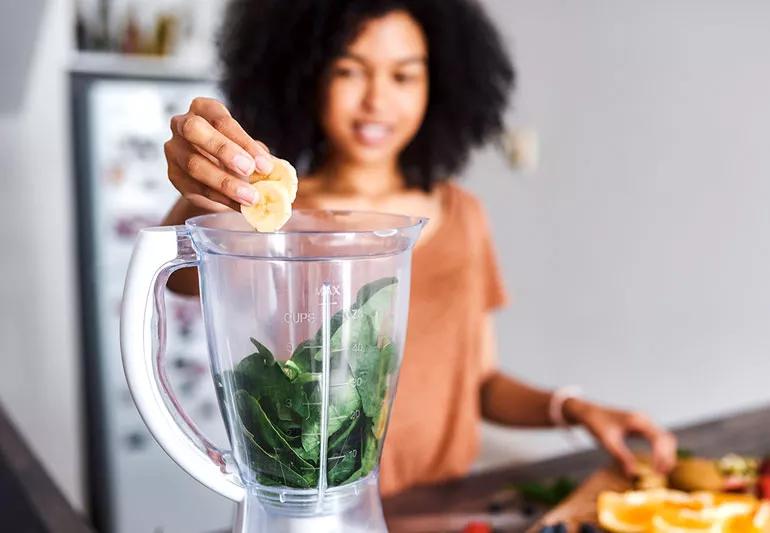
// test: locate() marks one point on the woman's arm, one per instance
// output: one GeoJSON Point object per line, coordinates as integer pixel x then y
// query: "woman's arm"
{"type": "Point", "coordinates": [184, 281]}
{"type": "Point", "coordinates": [508, 401]}
{"type": "Point", "coordinates": [499, 395]}
{"type": "Point", "coordinates": [210, 158]}
{"type": "Point", "coordinates": [500, 392]}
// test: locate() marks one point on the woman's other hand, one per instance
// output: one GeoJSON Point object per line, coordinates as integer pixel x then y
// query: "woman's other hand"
{"type": "Point", "coordinates": [610, 427]}
{"type": "Point", "coordinates": [210, 157]}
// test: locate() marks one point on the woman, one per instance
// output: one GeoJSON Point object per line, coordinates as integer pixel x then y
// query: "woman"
{"type": "Point", "coordinates": [378, 103]}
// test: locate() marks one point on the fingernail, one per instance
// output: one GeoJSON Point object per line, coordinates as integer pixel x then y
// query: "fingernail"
{"type": "Point", "coordinates": [264, 164]}
{"type": "Point", "coordinates": [246, 195]}
{"type": "Point", "coordinates": [244, 164]}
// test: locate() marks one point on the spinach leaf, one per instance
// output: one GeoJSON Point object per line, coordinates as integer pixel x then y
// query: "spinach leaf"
{"type": "Point", "coordinates": [261, 376]}
{"type": "Point", "coordinates": [279, 403]}
{"type": "Point", "coordinates": [262, 349]}
{"type": "Point", "coordinates": [363, 321]}
{"type": "Point", "coordinates": [370, 380]}
{"type": "Point", "coordinates": [343, 436]}
{"type": "Point", "coordinates": [343, 468]}
{"type": "Point", "coordinates": [366, 292]}
{"type": "Point", "coordinates": [268, 436]}
{"type": "Point", "coordinates": [369, 455]}
{"type": "Point", "coordinates": [303, 356]}
{"type": "Point", "coordinates": [344, 401]}
{"type": "Point", "coordinates": [379, 306]}
{"type": "Point", "coordinates": [263, 462]}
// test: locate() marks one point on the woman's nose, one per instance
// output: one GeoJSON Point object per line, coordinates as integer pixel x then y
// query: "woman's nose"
{"type": "Point", "coordinates": [375, 97]}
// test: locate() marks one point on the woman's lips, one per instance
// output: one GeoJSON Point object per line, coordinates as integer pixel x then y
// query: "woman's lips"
{"type": "Point", "coordinates": [372, 133]}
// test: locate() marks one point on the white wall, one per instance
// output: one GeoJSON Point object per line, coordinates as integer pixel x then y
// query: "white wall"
{"type": "Point", "coordinates": [39, 373]}
{"type": "Point", "coordinates": [638, 253]}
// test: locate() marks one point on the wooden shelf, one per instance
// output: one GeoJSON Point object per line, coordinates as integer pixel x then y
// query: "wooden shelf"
{"type": "Point", "coordinates": [141, 66]}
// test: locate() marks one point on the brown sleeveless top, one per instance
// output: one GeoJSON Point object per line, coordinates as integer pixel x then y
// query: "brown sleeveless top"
{"type": "Point", "coordinates": [433, 430]}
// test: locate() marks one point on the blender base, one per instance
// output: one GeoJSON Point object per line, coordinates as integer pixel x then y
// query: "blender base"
{"type": "Point", "coordinates": [355, 508]}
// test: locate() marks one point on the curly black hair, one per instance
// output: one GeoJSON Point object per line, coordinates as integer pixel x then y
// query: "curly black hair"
{"type": "Point", "coordinates": [276, 55]}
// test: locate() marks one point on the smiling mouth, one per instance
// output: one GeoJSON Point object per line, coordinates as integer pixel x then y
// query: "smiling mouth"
{"type": "Point", "coordinates": [372, 133]}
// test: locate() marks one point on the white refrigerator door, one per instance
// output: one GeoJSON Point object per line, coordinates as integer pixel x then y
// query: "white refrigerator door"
{"type": "Point", "coordinates": [128, 122]}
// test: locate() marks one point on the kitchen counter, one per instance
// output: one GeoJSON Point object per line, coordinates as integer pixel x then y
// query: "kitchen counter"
{"type": "Point", "coordinates": [31, 503]}
{"type": "Point", "coordinates": [743, 433]}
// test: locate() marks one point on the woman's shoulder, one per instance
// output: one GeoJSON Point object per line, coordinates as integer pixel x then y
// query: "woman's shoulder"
{"type": "Point", "coordinates": [464, 204]}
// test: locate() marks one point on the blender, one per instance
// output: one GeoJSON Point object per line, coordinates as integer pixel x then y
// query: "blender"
{"type": "Point", "coordinates": [305, 330]}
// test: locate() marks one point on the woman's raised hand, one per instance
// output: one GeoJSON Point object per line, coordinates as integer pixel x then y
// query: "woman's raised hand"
{"type": "Point", "coordinates": [210, 157]}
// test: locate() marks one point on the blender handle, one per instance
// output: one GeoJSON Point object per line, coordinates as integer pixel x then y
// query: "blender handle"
{"type": "Point", "coordinates": [159, 252]}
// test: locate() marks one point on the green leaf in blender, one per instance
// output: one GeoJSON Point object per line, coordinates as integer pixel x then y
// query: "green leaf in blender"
{"type": "Point", "coordinates": [262, 349]}
{"type": "Point", "coordinates": [302, 357]}
{"type": "Point", "coordinates": [371, 379]}
{"type": "Point", "coordinates": [261, 376]}
{"type": "Point", "coordinates": [266, 434]}
{"type": "Point", "coordinates": [347, 434]}
{"type": "Point", "coordinates": [291, 370]}
{"type": "Point", "coordinates": [279, 403]}
{"type": "Point", "coordinates": [344, 401]}
{"type": "Point", "coordinates": [366, 292]}
{"type": "Point", "coordinates": [343, 468]}
{"type": "Point", "coordinates": [360, 325]}
{"type": "Point", "coordinates": [369, 453]}
{"type": "Point", "coordinates": [263, 462]}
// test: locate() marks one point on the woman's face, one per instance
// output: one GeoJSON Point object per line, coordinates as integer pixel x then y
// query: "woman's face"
{"type": "Point", "coordinates": [377, 91]}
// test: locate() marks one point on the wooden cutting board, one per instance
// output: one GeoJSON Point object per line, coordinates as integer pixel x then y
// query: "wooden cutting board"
{"type": "Point", "coordinates": [580, 506]}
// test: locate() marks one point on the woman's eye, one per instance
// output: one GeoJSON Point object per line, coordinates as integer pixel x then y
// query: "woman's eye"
{"type": "Point", "coordinates": [403, 77]}
{"type": "Point", "coordinates": [345, 72]}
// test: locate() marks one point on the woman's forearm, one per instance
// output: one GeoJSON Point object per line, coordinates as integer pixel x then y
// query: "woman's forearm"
{"type": "Point", "coordinates": [507, 401]}
{"type": "Point", "coordinates": [180, 212]}
{"type": "Point", "coordinates": [184, 281]}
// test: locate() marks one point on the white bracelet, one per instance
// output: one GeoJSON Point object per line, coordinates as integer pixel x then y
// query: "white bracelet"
{"type": "Point", "coordinates": [556, 403]}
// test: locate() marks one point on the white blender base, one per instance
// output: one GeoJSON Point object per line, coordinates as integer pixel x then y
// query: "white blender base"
{"type": "Point", "coordinates": [361, 513]}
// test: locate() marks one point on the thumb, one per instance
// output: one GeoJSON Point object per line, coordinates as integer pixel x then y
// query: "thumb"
{"type": "Point", "coordinates": [616, 447]}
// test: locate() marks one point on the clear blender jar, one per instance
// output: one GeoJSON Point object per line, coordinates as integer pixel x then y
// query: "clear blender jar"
{"type": "Point", "coordinates": [305, 329]}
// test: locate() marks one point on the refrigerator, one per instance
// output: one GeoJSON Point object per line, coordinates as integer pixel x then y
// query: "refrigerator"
{"type": "Point", "coordinates": [119, 124]}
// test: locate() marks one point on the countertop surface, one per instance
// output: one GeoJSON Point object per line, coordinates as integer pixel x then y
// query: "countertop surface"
{"type": "Point", "coordinates": [31, 503]}
{"type": "Point", "coordinates": [747, 432]}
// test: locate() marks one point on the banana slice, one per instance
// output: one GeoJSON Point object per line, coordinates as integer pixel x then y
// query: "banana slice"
{"type": "Point", "coordinates": [272, 210]}
{"type": "Point", "coordinates": [283, 173]}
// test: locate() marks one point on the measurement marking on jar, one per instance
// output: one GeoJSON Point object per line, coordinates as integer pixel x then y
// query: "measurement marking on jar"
{"type": "Point", "coordinates": [333, 290]}
{"type": "Point", "coordinates": [299, 317]}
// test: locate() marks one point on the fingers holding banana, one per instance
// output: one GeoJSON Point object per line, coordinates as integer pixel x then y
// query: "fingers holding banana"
{"type": "Point", "coordinates": [282, 173]}
{"type": "Point", "coordinates": [185, 162]}
{"type": "Point", "coordinates": [272, 210]}
{"type": "Point", "coordinates": [277, 190]}
{"type": "Point", "coordinates": [216, 165]}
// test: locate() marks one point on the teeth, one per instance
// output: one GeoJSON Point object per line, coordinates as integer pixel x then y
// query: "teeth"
{"type": "Point", "coordinates": [373, 132]}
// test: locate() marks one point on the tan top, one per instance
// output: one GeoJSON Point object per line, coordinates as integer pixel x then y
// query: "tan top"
{"type": "Point", "coordinates": [433, 432]}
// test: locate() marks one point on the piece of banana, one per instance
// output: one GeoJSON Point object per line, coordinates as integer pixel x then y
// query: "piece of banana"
{"type": "Point", "coordinates": [283, 173]}
{"type": "Point", "coordinates": [272, 210]}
